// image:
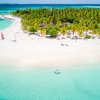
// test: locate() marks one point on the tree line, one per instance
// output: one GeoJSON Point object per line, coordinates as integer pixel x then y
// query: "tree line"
{"type": "Point", "coordinates": [52, 21]}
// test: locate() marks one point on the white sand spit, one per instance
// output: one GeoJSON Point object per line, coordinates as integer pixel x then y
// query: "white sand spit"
{"type": "Point", "coordinates": [45, 52]}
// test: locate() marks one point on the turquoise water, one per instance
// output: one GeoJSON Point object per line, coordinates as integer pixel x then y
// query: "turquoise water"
{"type": "Point", "coordinates": [7, 8]}
{"type": "Point", "coordinates": [80, 82]}
{"type": "Point", "coordinates": [4, 23]}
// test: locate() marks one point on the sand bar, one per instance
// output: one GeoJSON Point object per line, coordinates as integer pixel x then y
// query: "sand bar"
{"type": "Point", "coordinates": [40, 51]}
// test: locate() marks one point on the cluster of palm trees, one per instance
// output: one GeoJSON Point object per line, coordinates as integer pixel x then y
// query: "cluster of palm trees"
{"type": "Point", "coordinates": [54, 21]}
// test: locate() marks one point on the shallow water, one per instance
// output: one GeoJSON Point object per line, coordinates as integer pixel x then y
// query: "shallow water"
{"type": "Point", "coordinates": [76, 83]}
{"type": "Point", "coordinates": [4, 23]}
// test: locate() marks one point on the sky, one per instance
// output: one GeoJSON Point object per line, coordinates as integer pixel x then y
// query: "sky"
{"type": "Point", "coordinates": [52, 1]}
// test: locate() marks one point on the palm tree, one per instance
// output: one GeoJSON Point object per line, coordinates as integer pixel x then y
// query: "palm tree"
{"type": "Point", "coordinates": [63, 30]}
{"type": "Point", "coordinates": [42, 31]}
{"type": "Point", "coordinates": [81, 19]}
{"type": "Point", "coordinates": [97, 32]}
{"type": "Point", "coordinates": [73, 28]}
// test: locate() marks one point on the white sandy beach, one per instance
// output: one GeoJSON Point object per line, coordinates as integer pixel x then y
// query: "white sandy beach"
{"type": "Point", "coordinates": [39, 51]}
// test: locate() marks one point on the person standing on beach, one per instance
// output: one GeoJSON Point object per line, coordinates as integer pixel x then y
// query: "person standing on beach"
{"type": "Point", "coordinates": [2, 36]}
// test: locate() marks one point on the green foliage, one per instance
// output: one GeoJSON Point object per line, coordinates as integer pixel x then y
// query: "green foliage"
{"type": "Point", "coordinates": [42, 31]}
{"type": "Point", "coordinates": [82, 19]}
{"type": "Point", "coordinates": [97, 31]}
{"type": "Point", "coordinates": [87, 36]}
{"type": "Point", "coordinates": [32, 29]}
{"type": "Point", "coordinates": [63, 30]}
{"type": "Point", "coordinates": [80, 32]}
{"type": "Point", "coordinates": [52, 31]}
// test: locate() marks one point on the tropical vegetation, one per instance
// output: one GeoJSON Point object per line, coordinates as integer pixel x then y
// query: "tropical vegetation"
{"type": "Point", "coordinates": [54, 21]}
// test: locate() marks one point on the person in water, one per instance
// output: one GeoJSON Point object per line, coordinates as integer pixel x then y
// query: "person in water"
{"type": "Point", "coordinates": [2, 36]}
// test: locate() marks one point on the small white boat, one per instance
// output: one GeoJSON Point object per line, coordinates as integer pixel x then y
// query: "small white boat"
{"type": "Point", "coordinates": [57, 72]}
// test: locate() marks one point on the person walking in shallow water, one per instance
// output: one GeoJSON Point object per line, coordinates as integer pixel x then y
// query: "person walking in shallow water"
{"type": "Point", "coordinates": [2, 36]}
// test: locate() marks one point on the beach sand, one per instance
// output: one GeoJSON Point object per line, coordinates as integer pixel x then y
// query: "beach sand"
{"type": "Point", "coordinates": [38, 51]}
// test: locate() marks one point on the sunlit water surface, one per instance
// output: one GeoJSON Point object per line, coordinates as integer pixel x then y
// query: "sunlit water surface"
{"type": "Point", "coordinates": [80, 82]}
{"type": "Point", "coordinates": [4, 23]}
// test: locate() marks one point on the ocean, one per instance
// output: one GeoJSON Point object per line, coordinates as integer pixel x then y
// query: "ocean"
{"type": "Point", "coordinates": [81, 82]}
{"type": "Point", "coordinates": [7, 8]}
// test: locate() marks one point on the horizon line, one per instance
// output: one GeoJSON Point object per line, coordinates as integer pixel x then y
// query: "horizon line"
{"type": "Point", "coordinates": [51, 3]}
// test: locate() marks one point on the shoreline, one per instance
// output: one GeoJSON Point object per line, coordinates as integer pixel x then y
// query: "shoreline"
{"type": "Point", "coordinates": [13, 28]}
{"type": "Point", "coordinates": [39, 51]}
